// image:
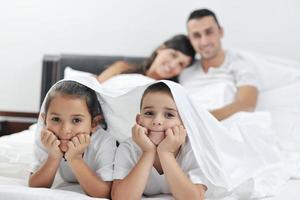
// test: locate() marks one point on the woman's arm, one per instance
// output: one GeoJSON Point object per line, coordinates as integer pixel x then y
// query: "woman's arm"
{"type": "Point", "coordinates": [45, 175]}
{"type": "Point", "coordinates": [245, 100]}
{"type": "Point", "coordinates": [116, 68]}
{"type": "Point", "coordinates": [133, 186]}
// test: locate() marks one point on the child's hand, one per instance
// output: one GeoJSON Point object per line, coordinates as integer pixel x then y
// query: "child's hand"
{"type": "Point", "coordinates": [175, 137]}
{"type": "Point", "coordinates": [139, 136]}
{"type": "Point", "coordinates": [77, 146]}
{"type": "Point", "coordinates": [51, 143]}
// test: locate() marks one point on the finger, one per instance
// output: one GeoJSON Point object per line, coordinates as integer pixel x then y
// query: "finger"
{"type": "Point", "coordinates": [46, 136]}
{"type": "Point", "coordinates": [56, 143]}
{"type": "Point", "coordinates": [87, 138]}
{"type": "Point", "coordinates": [176, 131]}
{"type": "Point", "coordinates": [43, 135]}
{"type": "Point", "coordinates": [75, 141]}
{"type": "Point", "coordinates": [169, 132]}
{"type": "Point", "coordinates": [81, 138]}
{"type": "Point", "coordinates": [51, 139]}
{"type": "Point", "coordinates": [183, 131]}
{"type": "Point", "coordinates": [145, 131]}
{"type": "Point", "coordinates": [134, 130]}
{"type": "Point", "coordinates": [71, 145]}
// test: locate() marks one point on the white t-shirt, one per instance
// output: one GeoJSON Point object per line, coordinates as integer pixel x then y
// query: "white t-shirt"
{"type": "Point", "coordinates": [218, 86]}
{"type": "Point", "coordinates": [129, 153]}
{"type": "Point", "coordinates": [99, 156]}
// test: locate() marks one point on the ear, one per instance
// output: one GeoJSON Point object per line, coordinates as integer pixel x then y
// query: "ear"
{"type": "Point", "coordinates": [96, 121]}
{"type": "Point", "coordinates": [138, 119]}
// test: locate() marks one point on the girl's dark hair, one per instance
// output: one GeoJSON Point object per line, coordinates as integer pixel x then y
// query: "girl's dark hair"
{"type": "Point", "coordinates": [179, 42]}
{"type": "Point", "coordinates": [77, 90]}
{"type": "Point", "coordinates": [156, 87]}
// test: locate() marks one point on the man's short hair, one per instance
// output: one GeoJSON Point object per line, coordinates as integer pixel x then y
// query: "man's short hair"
{"type": "Point", "coordinates": [200, 13]}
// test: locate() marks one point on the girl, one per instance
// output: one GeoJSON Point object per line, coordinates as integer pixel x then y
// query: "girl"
{"type": "Point", "coordinates": [154, 160]}
{"type": "Point", "coordinates": [72, 143]}
{"type": "Point", "coordinates": [166, 62]}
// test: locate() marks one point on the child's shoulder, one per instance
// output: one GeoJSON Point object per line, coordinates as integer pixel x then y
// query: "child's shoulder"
{"type": "Point", "coordinates": [129, 145]}
{"type": "Point", "coordinates": [101, 137]}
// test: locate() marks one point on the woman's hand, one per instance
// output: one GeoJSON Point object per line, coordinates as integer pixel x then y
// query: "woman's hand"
{"type": "Point", "coordinates": [51, 143]}
{"type": "Point", "coordinates": [139, 136]}
{"type": "Point", "coordinates": [175, 137]}
{"type": "Point", "coordinates": [77, 146]}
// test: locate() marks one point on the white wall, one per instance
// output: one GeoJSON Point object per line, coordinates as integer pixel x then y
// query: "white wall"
{"type": "Point", "coordinates": [29, 29]}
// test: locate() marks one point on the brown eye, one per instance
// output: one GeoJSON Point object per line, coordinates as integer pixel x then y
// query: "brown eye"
{"type": "Point", "coordinates": [148, 113]}
{"type": "Point", "coordinates": [76, 120]}
{"type": "Point", "coordinates": [55, 119]}
{"type": "Point", "coordinates": [169, 115]}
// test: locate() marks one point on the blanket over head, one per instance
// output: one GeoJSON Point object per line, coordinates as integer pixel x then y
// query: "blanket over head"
{"type": "Point", "coordinates": [232, 164]}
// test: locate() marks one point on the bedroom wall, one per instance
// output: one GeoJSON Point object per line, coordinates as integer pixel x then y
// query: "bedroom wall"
{"type": "Point", "coordinates": [32, 28]}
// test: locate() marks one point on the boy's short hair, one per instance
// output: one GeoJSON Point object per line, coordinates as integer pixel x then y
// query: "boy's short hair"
{"type": "Point", "coordinates": [156, 87]}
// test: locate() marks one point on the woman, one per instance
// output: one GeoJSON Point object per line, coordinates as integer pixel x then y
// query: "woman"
{"type": "Point", "coordinates": [166, 62]}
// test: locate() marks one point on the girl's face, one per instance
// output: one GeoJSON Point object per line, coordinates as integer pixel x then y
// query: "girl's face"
{"type": "Point", "coordinates": [168, 64]}
{"type": "Point", "coordinates": [68, 116]}
{"type": "Point", "coordinates": [158, 113]}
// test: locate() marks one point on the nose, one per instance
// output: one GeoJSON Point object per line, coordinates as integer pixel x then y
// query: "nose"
{"type": "Point", "coordinates": [203, 40]}
{"type": "Point", "coordinates": [66, 131]}
{"type": "Point", "coordinates": [157, 121]}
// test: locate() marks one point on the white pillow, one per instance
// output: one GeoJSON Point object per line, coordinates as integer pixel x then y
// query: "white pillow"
{"type": "Point", "coordinates": [127, 81]}
{"type": "Point", "coordinates": [69, 72]}
{"type": "Point", "coordinates": [274, 73]}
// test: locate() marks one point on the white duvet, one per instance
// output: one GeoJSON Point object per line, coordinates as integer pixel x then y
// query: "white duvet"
{"type": "Point", "coordinates": [234, 163]}
{"type": "Point", "coordinates": [282, 101]}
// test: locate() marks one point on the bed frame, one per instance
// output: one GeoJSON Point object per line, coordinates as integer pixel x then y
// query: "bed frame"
{"type": "Point", "coordinates": [54, 66]}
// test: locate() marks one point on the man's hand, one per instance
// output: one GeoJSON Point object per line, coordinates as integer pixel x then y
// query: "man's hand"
{"type": "Point", "coordinates": [139, 136]}
{"type": "Point", "coordinates": [51, 143]}
{"type": "Point", "coordinates": [77, 146]}
{"type": "Point", "coordinates": [175, 137]}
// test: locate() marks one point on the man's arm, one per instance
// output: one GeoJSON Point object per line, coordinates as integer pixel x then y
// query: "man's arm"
{"type": "Point", "coordinates": [245, 100]}
{"type": "Point", "coordinates": [116, 68]}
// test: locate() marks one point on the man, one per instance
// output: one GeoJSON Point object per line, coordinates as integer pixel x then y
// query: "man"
{"type": "Point", "coordinates": [205, 34]}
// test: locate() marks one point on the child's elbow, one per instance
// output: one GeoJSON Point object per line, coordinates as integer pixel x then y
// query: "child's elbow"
{"type": "Point", "coordinates": [118, 194]}
{"type": "Point", "coordinates": [115, 195]}
{"type": "Point", "coordinates": [105, 194]}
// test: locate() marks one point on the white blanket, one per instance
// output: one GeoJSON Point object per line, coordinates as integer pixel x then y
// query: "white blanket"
{"type": "Point", "coordinates": [234, 164]}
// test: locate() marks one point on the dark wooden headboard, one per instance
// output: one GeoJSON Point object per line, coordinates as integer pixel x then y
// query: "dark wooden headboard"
{"type": "Point", "coordinates": [54, 66]}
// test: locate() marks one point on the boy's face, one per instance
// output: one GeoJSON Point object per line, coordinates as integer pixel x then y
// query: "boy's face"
{"type": "Point", "coordinates": [67, 117]}
{"type": "Point", "coordinates": [158, 113]}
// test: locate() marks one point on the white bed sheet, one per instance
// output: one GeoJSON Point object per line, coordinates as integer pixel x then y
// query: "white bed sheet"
{"type": "Point", "coordinates": [17, 153]}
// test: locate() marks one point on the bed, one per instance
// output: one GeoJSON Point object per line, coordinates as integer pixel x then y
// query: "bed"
{"type": "Point", "coordinates": [16, 149]}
